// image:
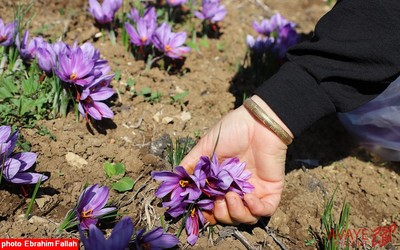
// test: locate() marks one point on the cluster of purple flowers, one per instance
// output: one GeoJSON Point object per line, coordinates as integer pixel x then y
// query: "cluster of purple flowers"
{"type": "Point", "coordinates": [80, 68]}
{"type": "Point", "coordinates": [91, 207]}
{"type": "Point", "coordinates": [145, 32]}
{"type": "Point", "coordinates": [275, 35]}
{"type": "Point", "coordinates": [193, 193]}
{"type": "Point", "coordinates": [13, 166]}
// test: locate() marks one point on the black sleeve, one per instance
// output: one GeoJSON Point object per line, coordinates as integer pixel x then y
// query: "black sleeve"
{"type": "Point", "coordinates": [353, 56]}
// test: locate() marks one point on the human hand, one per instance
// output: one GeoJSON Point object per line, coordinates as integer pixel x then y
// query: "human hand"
{"type": "Point", "coordinates": [241, 135]}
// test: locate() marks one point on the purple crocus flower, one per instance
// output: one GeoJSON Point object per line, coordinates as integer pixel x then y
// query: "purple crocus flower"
{"type": "Point", "coordinates": [7, 33]}
{"type": "Point", "coordinates": [174, 3]}
{"type": "Point", "coordinates": [178, 184]}
{"type": "Point", "coordinates": [211, 11]}
{"type": "Point", "coordinates": [91, 205]}
{"type": "Point", "coordinates": [287, 37]}
{"type": "Point", "coordinates": [267, 26]}
{"type": "Point", "coordinates": [104, 13]}
{"type": "Point", "coordinates": [90, 53]}
{"type": "Point", "coordinates": [229, 176]}
{"type": "Point", "coordinates": [119, 239]}
{"type": "Point", "coordinates": [260, 44]}
{"type": "Point", "coordinates": [155, 239]}
{"type": "Point", "coordinates": [46, 57]}
{"type": "Point", "coordinates": [91, 97]}
{"type": "Point", "coordinates": [141, 36]}
{"type": "Point", "coordinates": [196, 219]}
{"type": "Point", "coordinates": [27, 50]}
{"type": "Point", "coordinates": [14, 166]}
{"type": "Point", "coordinates": [75, 68]}
{"type": "Point", "coordinates": [7, 142]}
{"type": "Point", "coordinates": [170, 43]}
{"type": "Point", "coordinates": [150, 15]}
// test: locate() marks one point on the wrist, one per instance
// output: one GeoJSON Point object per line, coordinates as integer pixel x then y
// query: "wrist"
{"type": "Point", "coordinates": [263, 114]}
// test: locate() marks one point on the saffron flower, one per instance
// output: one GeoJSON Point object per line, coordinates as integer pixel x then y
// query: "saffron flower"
{"type": "Point", "coordinates": [14, 166]}
{"type": "Point", "coordinates": [141, 36]}
{"type": "Point", "coordinates": [46, 58]}
{"type": "Point", "coordinates": [150, 16]}
{"type": "Point", "coordinates": [104, 13]}
{"type": "Point", "coordinates": [7, 33]}
{"type": "Point", "coordinates": [170, 43]}
{"type": "Point", "coordinates": [178, 184]}
{"type": "Point", "coordinates": [196, 219]}
{"type": "Point", "coordinates": [192, 194]}
{"type": "Point", "coordinates": [75, 68]}
{"type": "Point", "coordinates": [174, 3]}
{"type": "Point", "coordinates": [91, 97]}
{"type": "Point", "coordinates": [91, 205]}
{"type": "Point", "coordinates": [155, 239]}
{"type": "Point", "coordinates": [277, 30]}
{"type": "Point", "coordinates": [229, 176]}
{"type": "Point", "coordinates": [267, 26]}
{"type": "Point", "coordinates": [118, 240]}
{"type": "Point", "coordinates": [27, 50]}
{"type": "Point", "coordinates": [212, 11]}
{"type": "Point", "coordinates": [260, 44]}
{"type": "Point", "coordinates": [7, 141]}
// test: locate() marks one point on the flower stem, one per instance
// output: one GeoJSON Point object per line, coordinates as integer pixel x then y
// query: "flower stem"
{"type": "Point", "coordinates": [28, 210]}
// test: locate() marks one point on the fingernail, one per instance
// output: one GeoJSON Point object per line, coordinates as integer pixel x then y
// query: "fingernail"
{"type": "Point", "coordinates": [220, 199]}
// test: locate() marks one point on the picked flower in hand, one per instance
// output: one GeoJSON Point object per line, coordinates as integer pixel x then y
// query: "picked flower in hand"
{"type": "Point", "coordinates": [192, 194]}
{"type": "Point", "coordinates": [178, 184]}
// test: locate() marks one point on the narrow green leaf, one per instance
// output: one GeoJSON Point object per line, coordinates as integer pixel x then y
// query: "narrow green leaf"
{"type": "Point", "coordinates": [5, 93]}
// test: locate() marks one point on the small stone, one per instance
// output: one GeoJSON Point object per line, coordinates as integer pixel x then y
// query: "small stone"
{"type": "Point", "coordinates": [158, 146]}
{"type": "Point", "coordinates": [157, 116]}
{"type": "Point", "coordinates": [185, 116]}
{"type": "Point", "coordinates": [37, 220]}
{"type": "Point", "coordinates": [75, 160]}
{"type": "Point", "coordinates": [167, 120]}
{"type": "Point", "coordinates": [42, 201]}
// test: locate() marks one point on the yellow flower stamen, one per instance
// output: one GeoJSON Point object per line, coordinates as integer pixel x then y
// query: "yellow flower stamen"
{"type": "Point", "coordinates": [167, 48]}
{"type": "Point", "coordinates": [183, 183]}
{"type": "Point", "coordinates": [73, 77]}
{"type": "Point", "coordinates": [192, 212]}
{"type": "Point", "coordinates": [87, 214]}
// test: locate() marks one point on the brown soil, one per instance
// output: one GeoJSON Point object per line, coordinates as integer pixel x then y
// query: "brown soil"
{"type": "Point", "coordinates": [139, 127]}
